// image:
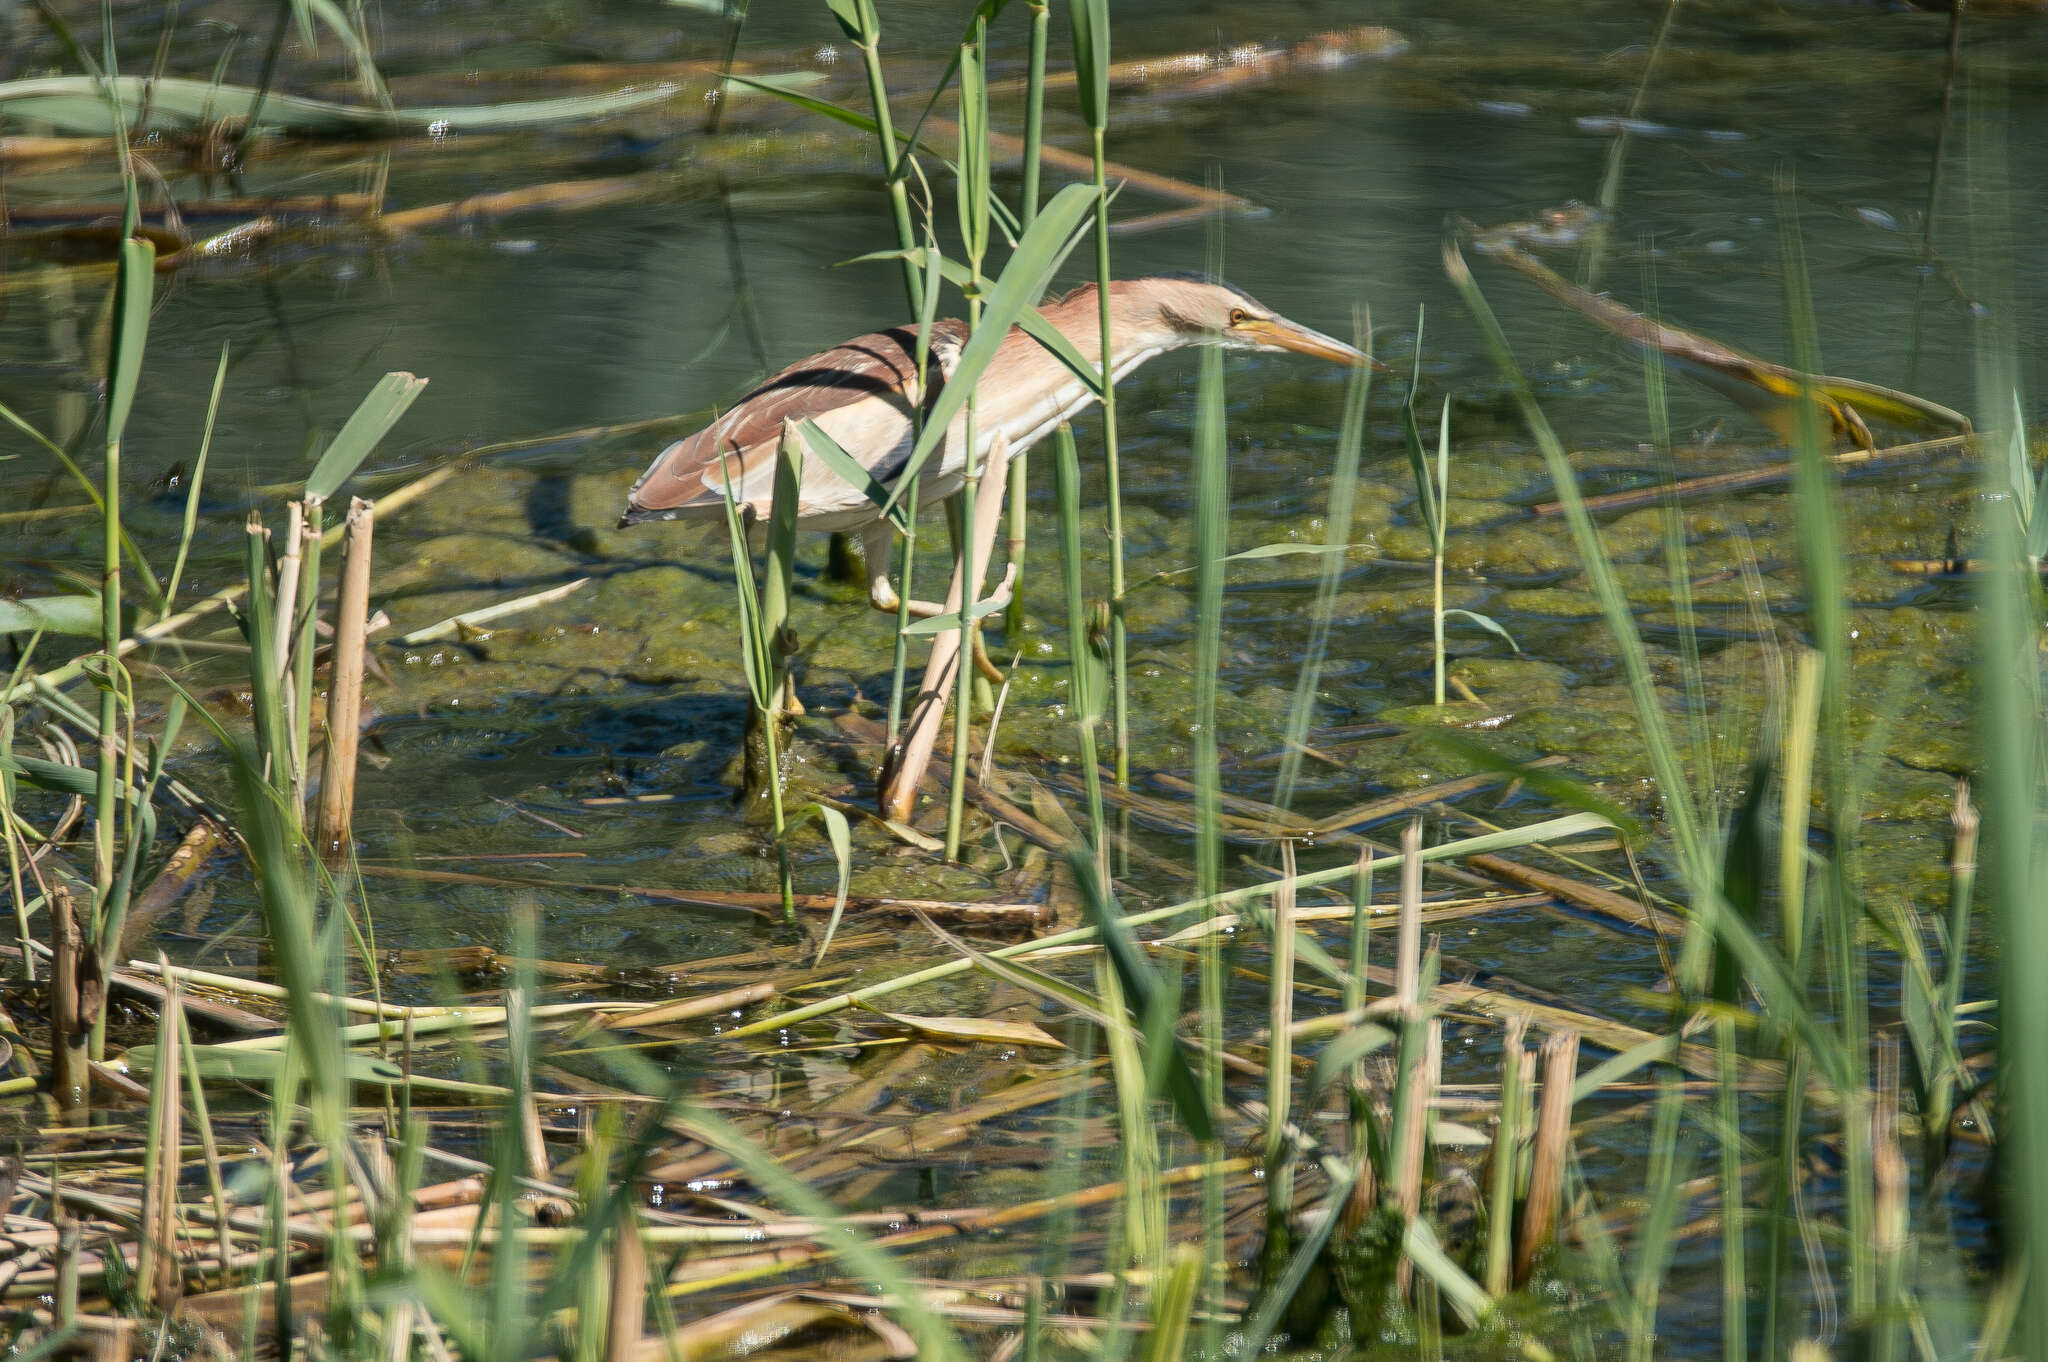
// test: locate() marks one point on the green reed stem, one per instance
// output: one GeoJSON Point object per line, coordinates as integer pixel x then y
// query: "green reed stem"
{"type": "Point", "coordinates": [308, 641]}
{"type": "Point", "coordinates": [1815, 500]}
{"type": "Point", "coordinates": [1438, 534]}
{"type": "Point", "coordinates": [1027, 210]}
{"type": "Point", "coordinates": [1734, 1213]}
{"type": "Point", "coordinates": [906, 554]}
{"type": "Point", "coordinates": [1337, 532]}
{"type": "Point", "coordinates": [868, 39]}
{"type": "Point", "coordinates": [974, 231]}
{"type": "Point", "coordinates": [1081, 683]}
{"type": "Point", "coordinates": [1212, 543]}
{"type": "Point", "coordinates": [1118, 642]}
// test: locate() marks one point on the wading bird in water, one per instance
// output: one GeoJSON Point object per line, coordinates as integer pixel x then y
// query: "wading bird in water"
{"type": "Point", "coordinates": [864, 394]}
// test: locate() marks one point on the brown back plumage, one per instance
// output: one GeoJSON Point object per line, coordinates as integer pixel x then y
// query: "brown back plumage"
{"type": "Point", "coordinates": [693, 472]}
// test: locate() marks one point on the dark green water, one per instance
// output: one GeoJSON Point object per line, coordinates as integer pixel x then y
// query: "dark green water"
{"type": "Point", "coordinates": [549, 322]}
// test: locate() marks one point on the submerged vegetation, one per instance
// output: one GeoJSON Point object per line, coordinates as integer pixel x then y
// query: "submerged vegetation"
{"type": "Point", "coordinates": [1121, 1029]}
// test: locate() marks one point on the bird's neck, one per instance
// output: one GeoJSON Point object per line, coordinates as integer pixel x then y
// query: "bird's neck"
{"type": "Point", "coordinates": [1037, 390]}
{"type": "Point", "coordinates": [1132, 340]}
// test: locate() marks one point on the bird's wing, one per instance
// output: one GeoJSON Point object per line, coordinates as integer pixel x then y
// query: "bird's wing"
{"type": "Point", "coordinates": [692, 473]}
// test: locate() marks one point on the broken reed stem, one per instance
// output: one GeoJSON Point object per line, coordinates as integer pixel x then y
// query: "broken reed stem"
{"type": "Point", "coordinates": [299, 697]}
{"type": "Point", "coordinates": [1507, 1145]}
{"type": "Point", "coordinates": [70, 1078]}
{"type": "Point", "coordinates": [1279, 1063]}
{"type": "Point", "coordinates": [628, 1302]}
{"type": "Point", "coordinates": [1411, 1100]}
{"type": "Point", "coordinates": [1408, 938]}
{"type": "Point", "coordinates": [1893, 1218]}
{"type": "Point", "coordinates": [921, 732]}
{"type": "Point", "coordinates": [158, 1273]}
{"type": "Point", "coordinates": [345, 688]}
{"type": "Point", "coordinates": [281, 637]}
{"type": "Point", "coordinates": [1553, 1141]}
{"type": "Point", "coordinates": [1363, 1191]}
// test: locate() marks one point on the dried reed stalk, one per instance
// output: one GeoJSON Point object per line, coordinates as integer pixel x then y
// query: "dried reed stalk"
{"type": "Point", "coordinates": [70, 1076]}
{"type": "Point", "coordinates": [1692, 489]}
{"type": "Point", "coordinates": [158, 1274]}
{"type": "Point", "coordinates": [345, 691]}
{"type": "Point", "coordinates": [1553, 1142]}
{"type": "Point", "coordinates": [1412, 1093]}
{"type": "Point", "coordinates": [906, 768]}
{"type": "Point", "coordinates": [282, 635]}
{"type": "Point", "coordinates": [628, 1288]}
{"type": "Point", "coordinates": [567, 194]}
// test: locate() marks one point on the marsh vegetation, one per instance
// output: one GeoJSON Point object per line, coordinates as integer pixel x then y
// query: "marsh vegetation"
{"type": "Point", "coordinates": [1536, 852]}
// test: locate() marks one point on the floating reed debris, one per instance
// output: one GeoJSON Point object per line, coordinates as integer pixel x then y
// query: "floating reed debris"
{"type": "Point", "coordinates": [561, 196]}
{"type": "Point", "coordinates": [1715, 484]}
{"type": "Point", "coordinates": [1013, 915]}
{"type": "Point", "coordinates": [228, 206]}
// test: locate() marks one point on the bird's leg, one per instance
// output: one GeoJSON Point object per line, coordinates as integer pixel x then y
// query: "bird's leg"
{"type": "Point", "coordinates": [1005, 592]}
{"type": "Point", "coordinates": [875, 543]}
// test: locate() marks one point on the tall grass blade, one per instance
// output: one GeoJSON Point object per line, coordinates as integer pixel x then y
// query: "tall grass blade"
{"type": "Point", "coordinates": [1817, 504]}
{"type": "Point", "coordinates": [373, 418]}
{"type": "Point", "coordinates": [1085, 679]}
{"type": "Point", "coordinates": [1039, 253]}
{"type": "Point", "coordinates": [1212, 543]}
{"type": "Point", "coordinates": [1336, 539]}
{"type": "Point", "coordinates": [220, 375]}
{"type": "Point", "coordinates": [1695, 859]}
{"type": "Point", "coordinates": [2010, 710]}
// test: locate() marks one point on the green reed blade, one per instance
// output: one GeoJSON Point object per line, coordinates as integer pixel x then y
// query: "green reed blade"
{"type": "Point", "coordinates": [1090, 22]}
{"type": "Point", "coordinates": [972, 182]}
{"type": "Point", "coordinates": [974, 197]}
{"type": "Point", "coordinates": [1027, 213]}
{"type": "Point", "coordinates": [220, 375]}
{"type": "Point", "coordinates": [781, 574]}
{"type": "Point", "coordinates": [1030, 321]}
{"type": "Point", "coordinates": [1816, 503]}
{"type": "Point", "coordinates": [1041, 252]}
{"type": "Point", "coordinates": [1336, 542]}
{"type": "Point", "coordinates": [2010, 707]}
{"type": "Point", "coordinates": [847, 469]}
{"type": "Point", "coordinates": [1212, 543]}
{"type": "Point", "coordinates": [372, 420]}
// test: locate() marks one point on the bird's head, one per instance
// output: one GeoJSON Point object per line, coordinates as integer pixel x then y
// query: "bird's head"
{"type": "Point", "coordinates": [1205, 312]}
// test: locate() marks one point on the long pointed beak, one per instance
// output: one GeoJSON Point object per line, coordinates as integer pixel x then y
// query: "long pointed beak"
{"type": "Point", "coordinates": [1282, 334]}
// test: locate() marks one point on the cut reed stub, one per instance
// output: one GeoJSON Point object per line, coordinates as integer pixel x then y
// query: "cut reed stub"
{"type": "Point", "coordinates": [1547, 1163]}
{"type": "Point", "coordinates": [70, 1022]}
{"type": "Point", "coordinates": [345, 691]}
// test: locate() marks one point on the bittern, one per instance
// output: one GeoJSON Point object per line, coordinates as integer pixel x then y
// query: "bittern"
{"type": "Point", "coordinates": [864, 394]}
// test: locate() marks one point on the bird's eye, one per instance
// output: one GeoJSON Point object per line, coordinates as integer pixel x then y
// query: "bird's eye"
{"type": "Point", "coordinates": [1238, 316]}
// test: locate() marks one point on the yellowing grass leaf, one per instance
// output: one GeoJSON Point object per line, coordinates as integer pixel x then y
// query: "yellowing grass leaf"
{"type": "Point", "coordinates": [978, 1029]}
